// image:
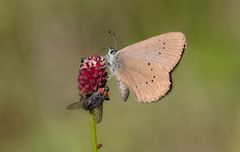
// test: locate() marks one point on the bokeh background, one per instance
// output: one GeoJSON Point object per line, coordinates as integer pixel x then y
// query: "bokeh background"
{"type": "Point", "coordinates": [42, 42]}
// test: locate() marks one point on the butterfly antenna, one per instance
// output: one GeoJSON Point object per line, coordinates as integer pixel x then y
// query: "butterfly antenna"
{"type": "Point", "coordinates": [113, 37]}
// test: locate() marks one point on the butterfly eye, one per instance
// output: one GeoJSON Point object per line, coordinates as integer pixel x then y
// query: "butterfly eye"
{"type": "Point", "coordinates": [112, 51]}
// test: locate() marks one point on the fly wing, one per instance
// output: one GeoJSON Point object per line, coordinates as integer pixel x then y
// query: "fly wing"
{"type": "Point", "coordinates": [98, 113]}
{"type": "Point", "coordinates": [77, 105]}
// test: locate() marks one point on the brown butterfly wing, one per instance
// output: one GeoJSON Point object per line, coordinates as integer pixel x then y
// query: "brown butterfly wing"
{"type": "Point", "coordinates": [144, 67]}
{"type": "Point", "coordinates": [147, 80]}
{"type": "Point", "coordinates": [165, 49]}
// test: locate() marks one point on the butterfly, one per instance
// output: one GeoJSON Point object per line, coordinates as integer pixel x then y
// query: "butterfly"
{"type": "Point", "coordinates": [144, 68]}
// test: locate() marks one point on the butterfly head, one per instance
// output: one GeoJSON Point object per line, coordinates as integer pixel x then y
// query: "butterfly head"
{"type": "Point", "coordinates": [111, 58]}
{"type": "Point", "coordinates": [112, 51]}
{"type": "Point", "coordinates": [111, 55]}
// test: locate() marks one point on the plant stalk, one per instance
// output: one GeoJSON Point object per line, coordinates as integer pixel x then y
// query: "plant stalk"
{"type": "Point", "coordinates": [93, 132]}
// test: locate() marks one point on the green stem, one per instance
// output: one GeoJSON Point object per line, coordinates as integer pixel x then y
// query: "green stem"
{"type": "Point", "coordinates": [93, 132]}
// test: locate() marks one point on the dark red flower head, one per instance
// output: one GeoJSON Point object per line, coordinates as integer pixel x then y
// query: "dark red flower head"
{"type": "Point", "coordinates": [92, 76]}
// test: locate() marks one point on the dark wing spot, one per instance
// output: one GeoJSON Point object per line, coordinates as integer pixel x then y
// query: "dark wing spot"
{"type": "Point", "coordinates": [136, 86]}
{"type": "Point", "coordinates": [152, 80]}
{"type": "Point", "coordinates": [164, 43]}
{"type": "Point", "coordinates": [184, 46]}
{"type": "Point", "coordinates": [163, 47]}
{"type": "Point", "coordinates": [159, 53]}
{"type": "Point", "coordinates": [146, 82]}
{"type": "Point", "coordinates": [154, 76]}
{"type": "Point", "coordinates": [151, 69]}
{"type": "Point", "coordinates": [149, 63]}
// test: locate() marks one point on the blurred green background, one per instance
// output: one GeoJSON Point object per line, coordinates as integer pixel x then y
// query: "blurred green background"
{"type": "Point", "coordinates": [42, 42]}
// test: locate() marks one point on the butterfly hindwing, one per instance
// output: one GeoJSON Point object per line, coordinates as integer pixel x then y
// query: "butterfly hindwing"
{"type": "Point", "coordinates": [147, 80]}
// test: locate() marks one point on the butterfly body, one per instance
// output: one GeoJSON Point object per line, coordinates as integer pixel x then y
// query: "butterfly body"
{"type": "Point", "coordinates": [144, 68]}
{"type": "Point", "coordinates": [114, 66]}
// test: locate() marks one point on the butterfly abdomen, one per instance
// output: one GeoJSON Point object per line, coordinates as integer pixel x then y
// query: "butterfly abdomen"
{"type": "Point", "coordinates": [123, 89]}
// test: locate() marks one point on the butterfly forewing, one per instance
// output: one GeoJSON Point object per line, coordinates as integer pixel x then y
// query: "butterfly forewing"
{"type": "Point", "coordinates": [145, 66]}
{"type": "Point", "coordinates": [165, 49]}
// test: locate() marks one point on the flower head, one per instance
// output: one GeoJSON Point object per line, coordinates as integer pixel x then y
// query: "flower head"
{"type": "Point", "coordinates": [92, 85]}
{"type": "Point", "coordinates": [92, 76]}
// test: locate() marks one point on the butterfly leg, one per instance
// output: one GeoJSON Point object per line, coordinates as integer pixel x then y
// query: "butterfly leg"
{"type": "Point", "coordinates": [109, 77]}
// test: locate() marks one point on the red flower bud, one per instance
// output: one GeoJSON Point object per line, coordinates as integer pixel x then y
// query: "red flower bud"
{"type": "Point", "coordinates": [92, 75]}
